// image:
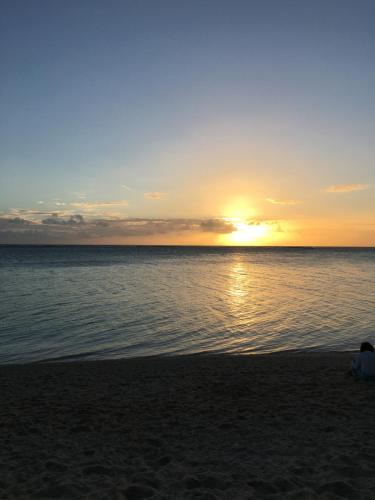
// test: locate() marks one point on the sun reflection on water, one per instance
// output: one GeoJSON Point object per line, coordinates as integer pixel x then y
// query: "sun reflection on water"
{"type": "Point", "coordinates": [238, 288]}
{"type": "Point", "coordinates": [240, 305]}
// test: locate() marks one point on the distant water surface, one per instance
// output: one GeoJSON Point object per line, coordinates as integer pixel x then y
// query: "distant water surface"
{"type": "Point", "coordinates": [112, 302]}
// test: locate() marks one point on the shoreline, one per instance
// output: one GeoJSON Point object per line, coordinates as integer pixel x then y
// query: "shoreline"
{"type": "Point", "coordinates": [208, 354]}
{"type": "Point", "coordinates": [198, 426]}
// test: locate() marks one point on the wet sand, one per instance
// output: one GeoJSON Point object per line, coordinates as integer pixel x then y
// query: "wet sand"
{"type": "Point", "coordinates": [226, 427]}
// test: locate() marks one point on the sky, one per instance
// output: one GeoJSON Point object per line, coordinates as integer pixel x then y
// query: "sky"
{"type": "Point", "coordinates": [206, 122]}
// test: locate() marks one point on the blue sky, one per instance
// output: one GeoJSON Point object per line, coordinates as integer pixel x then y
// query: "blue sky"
{"type": "Point", "coordinates": [210, 105]}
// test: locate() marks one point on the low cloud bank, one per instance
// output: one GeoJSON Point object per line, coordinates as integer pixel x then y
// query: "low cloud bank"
{"type": "Point", "coordinates": [75, 228]}
{"type": "Point", "coordinates": [34, 227]}
{"type": "Point", "coordinates": [219, 226]}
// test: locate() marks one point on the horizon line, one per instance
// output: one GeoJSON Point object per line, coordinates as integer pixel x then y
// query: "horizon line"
{"type": "Point", "coordinates": [178, 246]}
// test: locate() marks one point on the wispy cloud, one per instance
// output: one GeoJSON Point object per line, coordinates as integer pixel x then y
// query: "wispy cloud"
{"type": "Point", "coordinates": [80, 194]}
{"type": "Point", "coordinates": [40, 202]}
{"type": "Point", "coordinates": [27, 214]}
{"type": "Point", "coordinates": [346, 188]}
{"type": "Point", "coordinates": [99, 204]}
{"type": "Point", "coordinates": [283, 202]}
{"type": "Point", "coordinates": [124, 186]}
{"type": "Point", "coordinates": [156, 195]}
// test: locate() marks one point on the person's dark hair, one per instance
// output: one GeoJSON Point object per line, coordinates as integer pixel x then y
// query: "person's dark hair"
{"type": "Point", "coordinates": [366, 346]}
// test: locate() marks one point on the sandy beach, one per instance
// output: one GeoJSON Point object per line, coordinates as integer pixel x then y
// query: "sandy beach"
{"type": "Point", "coordinates": [231, 427]}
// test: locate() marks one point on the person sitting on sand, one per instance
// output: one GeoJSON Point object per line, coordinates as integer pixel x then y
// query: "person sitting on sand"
{"type": "Point", "coordinates": [363, 365]}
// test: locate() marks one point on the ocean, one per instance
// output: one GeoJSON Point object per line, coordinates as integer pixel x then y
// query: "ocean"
{"type": "Point", "coordinates": [106, 302]}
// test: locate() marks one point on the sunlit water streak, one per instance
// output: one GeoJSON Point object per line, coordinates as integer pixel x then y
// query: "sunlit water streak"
{"type": "Point", "coordinates": [112, 302]}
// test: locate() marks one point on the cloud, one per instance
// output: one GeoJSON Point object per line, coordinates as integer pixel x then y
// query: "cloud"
{"type": "Point", "coordinates": [26, 213]}
{"type": "Point", "coordinates": [154, 196]}
{"type": "Point", "coordinates": [346, 188]}
{"type": "Point", "coordinates": [283, 202]}
{"type": "Point", "coordinates": [80, 194]}
{"type": "Point", "coordinates": [40, 202]}
{"type": "Point", "coordinates": [100, 204]}
{"type": "Point", "coordinates": [275, 222]}
{"type": "Point", "coordinates": [55, 219]}
{"type": "Point", "coordinates": [217, 226]}
{"type": "Point", "coordinates": [15, 221]}
{"type": "Point", "coordinates": [124, 186]}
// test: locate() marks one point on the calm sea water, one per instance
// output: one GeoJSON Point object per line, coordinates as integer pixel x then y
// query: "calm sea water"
{"type": "Point", "coordinates": [113, 302]}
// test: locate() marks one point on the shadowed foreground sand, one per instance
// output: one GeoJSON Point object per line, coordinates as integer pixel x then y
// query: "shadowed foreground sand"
{"type": "Point", "coordinates": [233, 427]}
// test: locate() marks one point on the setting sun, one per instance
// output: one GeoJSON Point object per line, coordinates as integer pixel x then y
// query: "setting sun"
{"type": "Point", "coordinates": [247, 233]}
